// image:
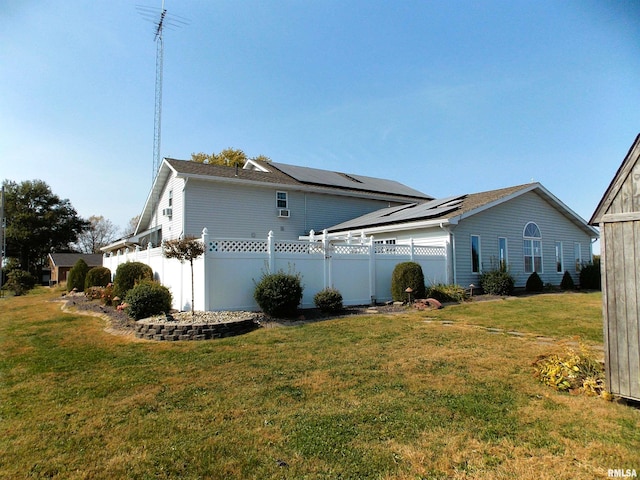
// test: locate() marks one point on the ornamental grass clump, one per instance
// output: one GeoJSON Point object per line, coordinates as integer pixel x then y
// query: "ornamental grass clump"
{"type": "Point", "coordinates": [279, 294]}
{"type": "Point", "coordinates": [446, 293]}
{"type": "Point", "coordinates": [575, 372]}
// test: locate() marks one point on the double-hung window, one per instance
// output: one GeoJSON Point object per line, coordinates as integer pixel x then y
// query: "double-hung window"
{"type": "Point", "coordinates": [532, 248]}
{"type": "Point", "coordinates": [282, 200]}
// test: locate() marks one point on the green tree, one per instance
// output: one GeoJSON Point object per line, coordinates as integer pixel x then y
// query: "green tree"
{"type": "Point", "coordinates": [38, 222]}
{"type": "Point", "coordinates": [229, 157]}
{"type": "Point", "coordinates": [184, 249]}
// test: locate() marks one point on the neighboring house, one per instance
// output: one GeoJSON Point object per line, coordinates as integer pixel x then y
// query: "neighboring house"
{"type": "Point", "coordinates": [61, 263]}
{"type": "Point", "coordinates": [248, 202]}
{"type": "Point", "coordinates": [523, 228]}
{"type": "Point", "coordinates": [618, 216]}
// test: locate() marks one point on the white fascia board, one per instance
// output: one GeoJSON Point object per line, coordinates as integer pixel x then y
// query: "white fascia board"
{"type": "Point", "coordinates": [158, 184]}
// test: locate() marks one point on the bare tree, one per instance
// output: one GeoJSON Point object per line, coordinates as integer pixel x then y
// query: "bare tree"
{"type": "Point", "coordinates": [100, 232]}
{"type": "Point", "coordinates": [130, 228]}
{"type": "Point", "coordinates": [188, 248]}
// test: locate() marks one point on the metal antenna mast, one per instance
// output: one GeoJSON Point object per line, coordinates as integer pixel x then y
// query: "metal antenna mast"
{"type": "Point", "coordinates": [159, 23]}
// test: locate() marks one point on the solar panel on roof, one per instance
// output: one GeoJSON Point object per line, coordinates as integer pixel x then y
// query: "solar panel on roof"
{"type": "Point", "coordinates": [355, 182]}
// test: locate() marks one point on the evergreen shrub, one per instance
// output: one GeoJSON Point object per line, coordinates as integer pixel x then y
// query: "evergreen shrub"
{"type": "Point", "coordinates": [97, 277]}
{"type": "Point", "coordinates": [147, 298]}
{"type": "Point", "coordinates": [534, 283]}
{"type": "Point", "coordinates": [77, 276]}
{"type": "Point", "coordinates": [127, 275]}
{"type": "Point", "coordinates": [328, 300]}
{"type": "Point", "coordinates": [497, 282]}
{"type": "Point", "coordinates": [567, 281]}
{"type": "Point", "coordinates": [407, 275]}
{"type": "Point", "coordinates": [590, 278]}
{"type": "Point", "coordinates": [279, 294]}
{"type": "Point", "coordinates": [19, 281]}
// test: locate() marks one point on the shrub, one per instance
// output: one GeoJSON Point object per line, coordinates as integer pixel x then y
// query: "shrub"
{"type": "Point", "coordinates": [567, 281]}
{"type": "Point", "coordinates": [407, 275]}
{"type": "Point", "coordinates": [328, 300]}
{"type": "Point", "coordinates": [446, 293]}
{"type": "Point", "coordinates": [20, 282]}
{"type": "Point", "coordinates": [590, 278]}
{"type": "Point", "coordinates": [128, 274]}
{"type": "Point", "coordinates": [97, 277]}
{"type": "Point", "coordinates": [497, 282]}
{"type": "Point", "coordinates": [147, 298]}
{"type": "Point", "coordinates": [278, 294]}
{"type": "Point", "coordinates": [77, 275]}
{"type": "Point", "coordinates": [534, 283]}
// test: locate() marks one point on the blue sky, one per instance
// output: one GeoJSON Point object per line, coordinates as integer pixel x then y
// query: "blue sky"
{"type": "Point", "coordinates": [447, 97]}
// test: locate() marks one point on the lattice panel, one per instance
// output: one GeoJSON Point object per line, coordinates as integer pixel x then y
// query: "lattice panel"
{"type": "Point", "coordinates": [393, 249]}
{"type": "Point", "coordinates": [350, 249]}
{"type": "Point", "coordinates": [238, 246]}
{"type": "Point", "coordinates": [429, 251]}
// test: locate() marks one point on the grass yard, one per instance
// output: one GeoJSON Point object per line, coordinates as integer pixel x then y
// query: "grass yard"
{"type": "Point", "coordinates": [378, 397]}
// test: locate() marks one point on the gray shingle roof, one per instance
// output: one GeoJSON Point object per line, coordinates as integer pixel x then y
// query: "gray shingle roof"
{"type": "Point", "coordinates": [70, 259]}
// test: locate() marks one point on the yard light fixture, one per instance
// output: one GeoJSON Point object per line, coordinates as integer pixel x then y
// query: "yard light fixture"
{"type": "Point", "coordinates": [409, 291]}
{"type": "Point", "coordinates": [471, 287]}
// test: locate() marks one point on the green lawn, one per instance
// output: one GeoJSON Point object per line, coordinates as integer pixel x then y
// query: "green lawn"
{"type": "Point", "coordinates": [378, 396]}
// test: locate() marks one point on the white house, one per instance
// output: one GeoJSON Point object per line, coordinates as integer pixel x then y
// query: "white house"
{"type": "Point", "coordinates": [342, 230]}
{"type": "Point", "coordinates": [524, 228]}
{"type": "Point", "coordinates": [260, 197]}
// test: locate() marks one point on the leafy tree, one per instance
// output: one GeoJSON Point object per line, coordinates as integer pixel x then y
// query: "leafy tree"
{"type": "Point", "coordinates": [184, 249]}
{"type": "Point", "coordinates": [100, 232]}
{"type": "Point", "coordinates": [38, 222]}
{"type": "Point", "coordinates": [229, 157]}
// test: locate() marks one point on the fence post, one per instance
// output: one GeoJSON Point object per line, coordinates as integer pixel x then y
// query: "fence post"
{"type": "Point", "coordinates": [205, 269]}
{"type": "Point", "coordinates": [326, 270]}
{"type": "Point", "coordinates": [270, 251]}
{"type": "Point", "coordinates": [372, 270]}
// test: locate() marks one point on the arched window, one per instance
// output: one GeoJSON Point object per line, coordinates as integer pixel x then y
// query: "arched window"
{"type": "Point", "coordinates": [532, 248]}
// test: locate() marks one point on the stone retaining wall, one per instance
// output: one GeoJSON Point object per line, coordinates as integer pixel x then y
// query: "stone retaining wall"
{"type": "Point", "coordinates": [196, 331]}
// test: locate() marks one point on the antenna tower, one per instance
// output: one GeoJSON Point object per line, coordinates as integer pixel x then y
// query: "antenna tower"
{"type": "Point", "coordinates": [159, 21]}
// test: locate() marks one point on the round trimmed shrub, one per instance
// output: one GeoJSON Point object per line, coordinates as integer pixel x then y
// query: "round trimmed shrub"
{"type": "Point", "coordinates": [77, 275]}
{"type": "Point", "coordinates": [567, 281]}
{"type": "Point", "coordinates": [534, 283]}
{"type": "Point", "coordinates": [328, 300]}
{"type": "Point", "coordinates": [128, 274]}
{"type": "Point", "coordinates": [497, 282]}
{"type": "Point", "coordinates": [407, 275]}
{"type": "Point", "coordinates": [97, 277]}
{"type": "Point", "coordinates": [147, 298]}
{"type": "Point", "coordinates": [279, 294]}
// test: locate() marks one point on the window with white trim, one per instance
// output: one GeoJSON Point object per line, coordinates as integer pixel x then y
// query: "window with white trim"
{"type": "Point", "coordinates": [475, 254]}
{"type": "Point", "coordinates": [170, 198]}
{"type": "Point", "coordinates": [502, 254]}
{"type": "Point", "coordinates": [282, 200]}
{"type": "Point", "coordinates": [559, 260]}
{"type": "Point", "coordinates": [577, 253]}
{"type": "Point", "coordinates": [532, 248]}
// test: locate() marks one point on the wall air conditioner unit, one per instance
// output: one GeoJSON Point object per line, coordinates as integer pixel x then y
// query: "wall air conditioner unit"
{"type": "Point", "coordinates": [167, 212]}
{"type": "Point", "coordinates": [283, 213]}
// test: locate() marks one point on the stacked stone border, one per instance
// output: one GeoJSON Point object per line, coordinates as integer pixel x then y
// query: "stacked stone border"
{"type": "Point", "coordinates": [196, 331]}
